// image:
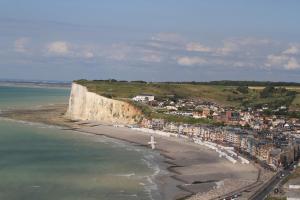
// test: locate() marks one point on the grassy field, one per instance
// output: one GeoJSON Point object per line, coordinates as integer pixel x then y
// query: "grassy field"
{"type": "Point", "coordinates": [296, 103]}
{"type": "Point", "coordinates": [293, 88]}
{"type": "Point", "coordinates": [224, 95]}
{"type": "Point", "coordinates": [218, 94]}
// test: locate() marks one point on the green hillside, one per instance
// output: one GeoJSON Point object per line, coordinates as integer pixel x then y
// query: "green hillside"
{"type": "Point", "coordinates": [237, 96]}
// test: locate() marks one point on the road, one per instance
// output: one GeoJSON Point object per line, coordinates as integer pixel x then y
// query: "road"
{"type": "Point", "coordinates": [267, 188]}
{"type": "Point", "coordinates": [270, 186]}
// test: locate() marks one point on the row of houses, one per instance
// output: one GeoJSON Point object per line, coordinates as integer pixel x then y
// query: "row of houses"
{"type": "Point", "coordinates": [273, 148]}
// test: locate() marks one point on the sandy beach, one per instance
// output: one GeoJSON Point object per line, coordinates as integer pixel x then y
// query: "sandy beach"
{"type": "Point", "coordinates": [195, 172]}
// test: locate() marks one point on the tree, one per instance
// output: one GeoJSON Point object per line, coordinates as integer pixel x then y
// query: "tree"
{"type": "Point", "coordinates": [267, 92]}
{"type": "Point", "coordinates": [243, 89]}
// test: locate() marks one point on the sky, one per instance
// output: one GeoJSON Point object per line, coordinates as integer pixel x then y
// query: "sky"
{"type": "Point", "coordinates": [152, 40]}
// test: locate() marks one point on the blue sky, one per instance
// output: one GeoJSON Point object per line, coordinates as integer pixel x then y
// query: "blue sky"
{"type": "Point", "coordinates": [151, 40]}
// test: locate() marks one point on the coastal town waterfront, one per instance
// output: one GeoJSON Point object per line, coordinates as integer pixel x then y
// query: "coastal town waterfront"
{"type": "Point", "coordinates": [273, 141]}
{"type": "Point", "coordinates": [203, 161]}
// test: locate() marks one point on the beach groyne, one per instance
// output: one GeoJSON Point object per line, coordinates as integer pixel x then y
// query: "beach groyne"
{"type": "Point", "coordinates": [86, 105]}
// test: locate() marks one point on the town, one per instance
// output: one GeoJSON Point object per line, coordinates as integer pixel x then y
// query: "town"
{"type": "Point", "coordinates": [271, 141]}
{"type": "Point", "coordinates": [247, 123]}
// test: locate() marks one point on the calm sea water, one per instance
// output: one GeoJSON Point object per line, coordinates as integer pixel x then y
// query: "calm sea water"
{"type": "Point", "coordinates": [39, 162]}
{"type": "Point", "coordinates": [23, 97]}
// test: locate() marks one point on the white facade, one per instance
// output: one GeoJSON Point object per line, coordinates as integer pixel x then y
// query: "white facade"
{"type": "Point", "coordinates": [294, 186]}
{"type": "Point", "coordinates": [143, 98]}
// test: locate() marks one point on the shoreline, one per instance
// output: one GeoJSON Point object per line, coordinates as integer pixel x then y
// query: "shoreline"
{"type": "Point", "coordinates": [36, 85]}
{"type": "Point", "coordinates": [193, 170]}
{"type": "Point", "coordinates": [154, 162]}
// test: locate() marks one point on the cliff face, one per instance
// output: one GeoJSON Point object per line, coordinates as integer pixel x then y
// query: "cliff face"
{"type": "Point", "coordinates": [85, 105]}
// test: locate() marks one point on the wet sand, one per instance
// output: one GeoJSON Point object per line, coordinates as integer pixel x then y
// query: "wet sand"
{"type": "Point", "coordinates": [195, 172]}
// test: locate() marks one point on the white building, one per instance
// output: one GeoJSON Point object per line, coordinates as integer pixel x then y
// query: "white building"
{"type": "Point", "coordinates": [143, 97]}
{"type": "Point", "coordinates": [293, 192]}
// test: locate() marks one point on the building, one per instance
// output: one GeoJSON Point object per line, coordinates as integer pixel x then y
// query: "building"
{"type": "Point", "coordinates": [263, 150]}
{"type": "Point", "coordinates": [234, 137]}
{"type": "Point", "coordinates": [293, 189]}
{"type": "Point", "coordinates": [146, 123]}
{"type": "Point", "coordinates": [274, 158]}
{"type": "Point", "coordinates": [158, 124]}
{"type": "Point", "coordinates": [171, 127]}
{"type": "Point", "coordinates": [206, 112]}
{"type": "Point", "coordinates": [143, 98]}
{"type": "Point", "coordinates": [232, 116]}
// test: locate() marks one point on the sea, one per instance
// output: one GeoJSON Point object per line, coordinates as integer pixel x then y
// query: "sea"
{"type": "Point", "coordinates": [42, 162]}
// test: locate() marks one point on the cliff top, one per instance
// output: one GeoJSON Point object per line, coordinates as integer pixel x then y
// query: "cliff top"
{"type": "Point", "coordinates": [226, 94]}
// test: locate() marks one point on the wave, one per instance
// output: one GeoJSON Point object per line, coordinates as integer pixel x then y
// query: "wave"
{"type": "Point", "coordinates": [153, 162]}
{"type": "Point", "coordinates": [125, 175]}
{"type": "Point", "coordinates": [149, 157]}
{"type": "Point", "coordinates": [36, 124]}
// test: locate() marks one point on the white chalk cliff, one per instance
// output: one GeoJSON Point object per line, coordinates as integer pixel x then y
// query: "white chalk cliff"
{"type": "Point", "coordinates": [85, 105]}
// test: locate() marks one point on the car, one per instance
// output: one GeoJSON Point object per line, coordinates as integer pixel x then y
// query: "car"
{"type": "Point", "coordinates": [236, 195]}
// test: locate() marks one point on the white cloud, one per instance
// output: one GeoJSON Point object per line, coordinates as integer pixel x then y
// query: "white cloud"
{"type": "Point", "coordinates": [170, 48]}
{"type": "Point", "coordinates": [20, 44]}
{"type": "Point", "coordinates": [70, 50]}
{"type": "Point", "coordinates": [189, 61]}
{"type": "Point", "coordinates": [287, 62]}
{"type": "Point", "coordinates": [291, 50]}
{"type": "Point", "coordinates": [88, 54]}
{"type": "Point", "coordinates": [193, 46]}
{"type": "Point", "coordinates": [228, 47]}
{"type": "Point", "coordinates": [241, 45]}
{"type": "Point", "coordinates": [58, 48]}
{"type": "Point", "coordinates": [292, 64]}
{"type": "Point", "coordinates": [130, 53]}
{"type": "Point", "coordinates": [276, 60]}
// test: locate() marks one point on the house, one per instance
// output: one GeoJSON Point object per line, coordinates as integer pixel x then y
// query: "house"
{"type": "Point", "coordinates": [274, 158]}
{"type": "Point", "coordinates": [206, 112]}
{"type": "Point", "coordinates": [244, 143]}
{"type": "Point", "coordinates": [232, 116]}
{"type": "Point", "coordinates": [158, 124]}
{"type": "Point", "coordinates": [243, 123]}
{"type": "Point", "coordinates": [197, 114]}
{"type": "Point", "coordinates": [143, 97]}
{"type": "Point", "coordinates": [171, 108]}
{"type": "Point", "coordinates": [171, 127]}
{"type": "Point", "coordinates": [263, 151]}
{"type": "Point", "coordinates": [220, 136]}
{"type": "Point", "coordinates": [146, 123]}
{"type": "Point", "coordinates": [233, 137]}
{"type": "Point", "coordinates": [251, 145]}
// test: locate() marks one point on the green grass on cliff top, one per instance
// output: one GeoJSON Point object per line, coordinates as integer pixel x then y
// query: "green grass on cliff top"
{"type": "Point", "coordinates": [218, 94]}
{"type": "Point", "coordinates": [221, 94]}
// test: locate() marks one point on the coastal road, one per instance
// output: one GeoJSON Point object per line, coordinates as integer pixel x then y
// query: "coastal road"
{"type": "Point", "coordinates": [266, 189]}
{"type": "Point", "coordinates": [270, 186]}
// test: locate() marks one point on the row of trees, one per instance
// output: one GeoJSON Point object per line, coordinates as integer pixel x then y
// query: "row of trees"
{"type": "Point", "coordinates": [223, 82]}
{"type": "Point", "coordinates": [271, 91]}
